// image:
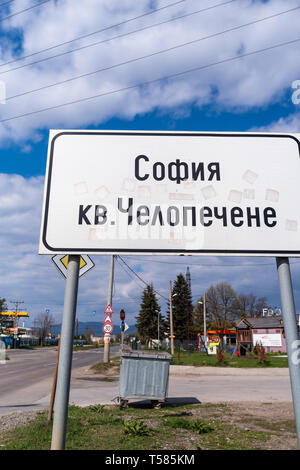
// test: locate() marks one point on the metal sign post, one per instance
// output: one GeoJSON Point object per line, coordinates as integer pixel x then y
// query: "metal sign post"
{"type": "Point", "coordinates": [291, 334]}
{"type": "Point", "coordinates": [65, 357]}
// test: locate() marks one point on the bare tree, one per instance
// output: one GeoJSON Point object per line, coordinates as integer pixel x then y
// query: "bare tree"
{"type": "Point", "coordinates": [247, 305]}
{"type": "Point", "coordinates": [42, 325]}
{"type": "Point", "coordinates": [89, 332]}
{"type": "Point", "coordinates": [260, 304]}
{"type": "Point", "coordinates": [222, 307]}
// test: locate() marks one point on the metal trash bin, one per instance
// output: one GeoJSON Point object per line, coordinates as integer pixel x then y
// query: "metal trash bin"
{"type": "Point", "coordinates": [144, 375]}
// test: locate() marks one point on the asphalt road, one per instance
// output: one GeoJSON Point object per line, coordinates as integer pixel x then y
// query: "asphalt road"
{"type": "Point", "coordinates": [28, 374]}
{"type": "Point", "coordinates": [26, 382]}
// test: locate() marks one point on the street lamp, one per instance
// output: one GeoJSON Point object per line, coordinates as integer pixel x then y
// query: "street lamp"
{"type": "Point", "coordinates": [157, 311]}
{"type": "Point", "coordinates": [171, 317]}
{"type": "Point", "coordinates": [204, 319]}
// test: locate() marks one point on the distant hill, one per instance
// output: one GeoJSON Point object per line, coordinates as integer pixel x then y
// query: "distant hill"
{"type": "Point", "coordinates": [95, 326]}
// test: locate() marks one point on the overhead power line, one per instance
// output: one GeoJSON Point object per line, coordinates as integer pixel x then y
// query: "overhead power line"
{"type": "Point", "coordinates": [108, 39]}
{"type": "Point", "coordinates": [150, 82]}
{"type": "Point", "coordinates": [77, 38]}
{"type": "Point", "coordinates": [211, 265]}
{"type": "Point", "coordinates": [153, 54]}
{"type": "Point", "coordinates": [23, 11]}
{"type": "Point", "coordinates": [6, 3]}
{"type": "Point", "coordinates": [129, 274]}
{"type": "Point", "coordinates": [140, 278]}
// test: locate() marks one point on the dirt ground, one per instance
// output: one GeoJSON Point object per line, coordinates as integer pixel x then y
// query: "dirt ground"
{"type": "Point", "coordinates": [275, 419]}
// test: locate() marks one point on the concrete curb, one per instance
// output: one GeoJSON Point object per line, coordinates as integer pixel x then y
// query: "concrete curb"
{"type": "Point", "coordinates": [228, 371]}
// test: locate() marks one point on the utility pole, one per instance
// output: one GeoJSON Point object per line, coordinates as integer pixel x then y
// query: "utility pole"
{"type": "Point", "coordinates": [17, 303]}
{"type": "Point", "coordinates": [171, 319]}
{"type": "Point", "coordinates": [158, 329]}
{"type": "Point", "coordinates": [109, 301]}
{"type": "Point", "coordinates": [204, 321]}
{"type": "Point", "coordinates": [77, 329]}
{"type": "Point", "coordinates": [16, 319]}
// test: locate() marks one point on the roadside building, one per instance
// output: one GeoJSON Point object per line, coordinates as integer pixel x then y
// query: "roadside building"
{"type": "Point", "coordinates": [267, 331]}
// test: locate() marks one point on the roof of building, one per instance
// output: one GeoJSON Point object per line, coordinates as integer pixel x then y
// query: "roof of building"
{"type": "Point", "coordinates": [262, 322]}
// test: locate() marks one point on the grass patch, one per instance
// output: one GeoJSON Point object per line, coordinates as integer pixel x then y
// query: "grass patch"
{"type": "Point", "coordinates": [85, 347]}
{"type": "Point", "coordinates": [200, 359]}
{"type": "Point", "coordinates": [102, 367]}
{"type": "Point", "coordinates": [196, 425]}
{"type": "Point", "coordinates": [143, 428]}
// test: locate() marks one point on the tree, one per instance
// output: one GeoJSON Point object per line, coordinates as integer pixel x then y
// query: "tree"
{"type": "Point", "coordinates": [147, 319]}
{"type": "Point", "coordinates": [260, 304]}
{"type": "Point", "coordinates": [42, 325]}
{"type": "Point", "coordinates": [222, 307]}
{"type": "Point", "coordinates": [182, 309]}
{"type": "Point", "coordinates": [89, 333]}
{"type": "Point", "coordinates": [3, 305]}
{"type": "Point", "coordinates": [251, 306]}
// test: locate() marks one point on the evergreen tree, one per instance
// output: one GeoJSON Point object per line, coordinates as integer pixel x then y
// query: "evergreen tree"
{"type": "Point", "coordinates": [3, 305]}
{"type": "Point", "coordinates": [182, 309]}
{"type": "Point", "coordinates": [147, 319]}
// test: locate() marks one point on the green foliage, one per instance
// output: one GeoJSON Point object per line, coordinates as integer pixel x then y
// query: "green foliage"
{"type": "Point", "coordinates": [199, 359]}
{"type": "Point", "coordinates": [89, 429]}
{"type": "Point", "coordinates": [182, 309]}
{"type": "Point", "coordinates": [197, 426]}
{"type": "Point", "coordinates": [147, 319]}
{"type": "Point", "coordinates": [96, 408]}
{"type": "Point", "coordinates": [135, 427]}
{"type": "Point", "coordinates": [3, 305]}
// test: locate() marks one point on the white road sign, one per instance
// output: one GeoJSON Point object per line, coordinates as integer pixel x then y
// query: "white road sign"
{"type": "Point", "coordinates": [107, 328]}
{"type": "Point", "coordinates": [172, 193]}
{"type": "Point", "coordinates": [270, 339]}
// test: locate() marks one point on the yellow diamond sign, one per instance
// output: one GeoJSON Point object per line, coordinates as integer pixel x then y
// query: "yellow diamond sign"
{"type": "Point", "coordinates": [65, 261]}
{"type": "Point", "coordinates": [61, 262]}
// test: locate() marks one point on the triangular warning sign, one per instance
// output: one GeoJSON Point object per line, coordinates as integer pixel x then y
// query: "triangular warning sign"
{"type": "Point", "coordinates": [109, 309]}
{"type": "Point", "coordinates": [107, 319]}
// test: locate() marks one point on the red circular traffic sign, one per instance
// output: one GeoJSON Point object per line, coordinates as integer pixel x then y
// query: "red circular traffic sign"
{"type": "Point", "coordinates": [122, 314]}
{"type": "Point", "coordinates": [107, 327]}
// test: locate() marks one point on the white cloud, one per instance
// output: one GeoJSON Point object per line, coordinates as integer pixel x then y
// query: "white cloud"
{"type": "Point", "coordinates": [254, 81]}
{"type": "Point", "coordinates": [287, 124]}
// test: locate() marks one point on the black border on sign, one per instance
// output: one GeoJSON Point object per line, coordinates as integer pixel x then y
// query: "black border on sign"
{"type": "Point", "coordinates": [162, 251]}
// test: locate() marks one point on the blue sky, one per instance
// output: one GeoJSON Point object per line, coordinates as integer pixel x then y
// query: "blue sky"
{"type": "Point", "coordinates": [16, 160]}
{"type": "Point", "coordinates": [253, 93]}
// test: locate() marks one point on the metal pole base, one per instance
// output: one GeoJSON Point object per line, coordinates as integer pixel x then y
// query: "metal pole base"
{"type": "Point", "coordinates": [291, 333]}
{"type": "Point", "coordinates": [65, 357]}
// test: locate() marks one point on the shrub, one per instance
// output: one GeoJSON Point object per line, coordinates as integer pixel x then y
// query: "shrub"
{"type": "Point", "coordinates": [96, 408]}
{"type": "Point", "coordinates": [261, 353]}
{"type": "Point", "coordinates": [220, 357]}
{"type": "Point", "coordinates": [196, 425]}
{"type": "Point", "coordinates": [135, 427]}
